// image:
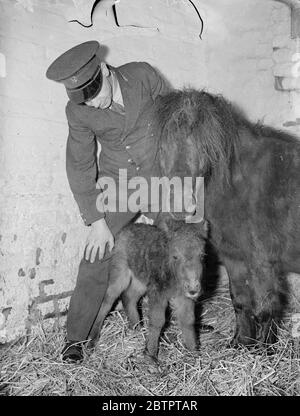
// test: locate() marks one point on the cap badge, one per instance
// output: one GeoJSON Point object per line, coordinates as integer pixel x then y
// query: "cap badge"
{"type": "Point", "coordinates": [74, 80]}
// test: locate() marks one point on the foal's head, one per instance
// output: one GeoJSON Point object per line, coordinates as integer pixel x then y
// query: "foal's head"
{"type": "Point", "coordinates": [186, 253]}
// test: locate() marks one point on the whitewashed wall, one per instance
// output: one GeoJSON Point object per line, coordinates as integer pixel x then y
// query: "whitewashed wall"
{"type": "Point", "coordinates": [245, 53]}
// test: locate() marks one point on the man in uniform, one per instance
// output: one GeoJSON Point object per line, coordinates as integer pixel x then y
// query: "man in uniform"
{"type": "Point", "coordinates": [112, 106]}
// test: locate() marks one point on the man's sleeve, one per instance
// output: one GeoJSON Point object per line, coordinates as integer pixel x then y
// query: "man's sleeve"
{"type": "Point", "coordinates": [81, 168]}
{"type": "Point", "coordinates": [156, 83]}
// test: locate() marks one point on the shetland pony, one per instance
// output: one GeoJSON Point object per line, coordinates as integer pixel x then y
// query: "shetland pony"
{"type": "Point", "coordinates": [252, 200]}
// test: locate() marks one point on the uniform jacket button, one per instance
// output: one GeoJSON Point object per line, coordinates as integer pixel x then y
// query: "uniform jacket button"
{"type": "Point", "coordinates": [127, 147]}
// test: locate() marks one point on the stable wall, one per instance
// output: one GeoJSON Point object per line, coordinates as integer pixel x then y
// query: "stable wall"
{"type": "Point", "coordinates": [246, 53]}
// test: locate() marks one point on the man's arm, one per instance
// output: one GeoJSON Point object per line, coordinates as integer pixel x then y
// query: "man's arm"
{"type": "Point", "coordinates": [81, 168]}
{"type": "Point", "coordinates": [82, 174]}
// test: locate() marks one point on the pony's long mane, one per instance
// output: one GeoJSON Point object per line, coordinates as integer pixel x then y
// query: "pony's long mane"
{"type": "Point", "coordinates": [212, 122]}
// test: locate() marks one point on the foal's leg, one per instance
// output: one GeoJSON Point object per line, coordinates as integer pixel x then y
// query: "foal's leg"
{"type": "Point", "coordinates": [157, 317]}
{"type": "Point", "coordinates": [119, 280]}
{"type": "Point", "coordinates": [130, 298]}
{"type": "Point", "coordinates": [185, 312]}
{"type": "Point", "coordinates": [242, 295]}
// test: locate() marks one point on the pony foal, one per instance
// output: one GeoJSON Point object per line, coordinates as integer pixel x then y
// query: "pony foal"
{"type": "Point", "coordinates": [167, 264]}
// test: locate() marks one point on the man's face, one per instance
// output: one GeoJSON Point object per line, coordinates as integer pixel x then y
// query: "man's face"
{"type": "Point", "coordinates": [104, 97]}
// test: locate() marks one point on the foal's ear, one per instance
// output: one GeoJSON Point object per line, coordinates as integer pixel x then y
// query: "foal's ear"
{"type": "Point", "coordinates": [168, 224]}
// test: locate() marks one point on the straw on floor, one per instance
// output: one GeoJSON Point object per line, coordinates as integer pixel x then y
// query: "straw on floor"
{"type": "Point", "coordinates": [32, 366]}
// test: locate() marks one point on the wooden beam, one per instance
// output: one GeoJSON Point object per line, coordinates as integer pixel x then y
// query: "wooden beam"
{"type": "Point", "coordinates": [295, 16]}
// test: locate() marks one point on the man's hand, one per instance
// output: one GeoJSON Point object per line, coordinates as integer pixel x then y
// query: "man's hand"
{"type": "Point", "coordinates": [98, 237]}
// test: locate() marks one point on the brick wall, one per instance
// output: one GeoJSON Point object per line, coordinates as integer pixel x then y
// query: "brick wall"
{"type": "Point", "coordinates": [245, 52]}
{"type": "Point", "coordinates": [286, 57]}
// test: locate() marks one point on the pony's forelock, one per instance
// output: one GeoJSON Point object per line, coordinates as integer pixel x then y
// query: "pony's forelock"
{"type": "Point", "coordinates": [208, 119]}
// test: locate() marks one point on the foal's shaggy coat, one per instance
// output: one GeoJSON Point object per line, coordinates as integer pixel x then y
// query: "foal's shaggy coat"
{"type": "Point", "coordinates": [166, 265]}
{"type": "Point", "coordinates": [252, 199]}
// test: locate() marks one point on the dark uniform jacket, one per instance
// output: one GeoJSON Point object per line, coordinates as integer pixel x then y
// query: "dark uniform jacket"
{"type": "Point", "coordinates": [127, 141]}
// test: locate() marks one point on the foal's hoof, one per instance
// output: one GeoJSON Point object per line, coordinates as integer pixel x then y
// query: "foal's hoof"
{"type": "Point", "coordinates": [239, 341]}
{"type": "Point", "coordinates": [147, 363]}
{"type": "Point", "coordinates": [238, 346]}
{"type": "Point", "coordinates": [135, 326]}
{"type": "Point", "coordinates": [192, 348]}
{"type": "Point", "coordinates": [204, 328]}
{"type": "Point", "coordinates": [150, 359]}
{"type": "Point", "coordinates": [192, 354]}
{"type": "Point", "coordinates": [253, 347]}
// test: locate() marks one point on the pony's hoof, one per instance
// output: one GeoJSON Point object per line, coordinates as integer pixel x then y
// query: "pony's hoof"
{"type": "Point", "coordinates": [91, 345]}
{"type": "Point", "coordinates": [236, 344]}
{"type": "Point", "coordinates": [72, 352]}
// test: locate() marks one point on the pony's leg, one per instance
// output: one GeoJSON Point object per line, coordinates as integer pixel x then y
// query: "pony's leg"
{"type": "Point", "coordinates": [185, 312]}
{"type": "Point", "coordinates": [119, 280]}
{"type": "Point", "coordinates": [157, 317]}
{"type": "Point", "coordinates": [270, 297]}
{"type": "Point", "coordinates": [241, 292]}
{"type": "Point", "coordinates": [130, 298]}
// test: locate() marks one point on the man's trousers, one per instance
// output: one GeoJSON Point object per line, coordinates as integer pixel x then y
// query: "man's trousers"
{"type": "Point", "coordinates": [92, 283]}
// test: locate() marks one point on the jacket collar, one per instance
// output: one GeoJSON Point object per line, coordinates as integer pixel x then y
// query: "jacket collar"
{"type": "Point", "coordinates": [131, 97]}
